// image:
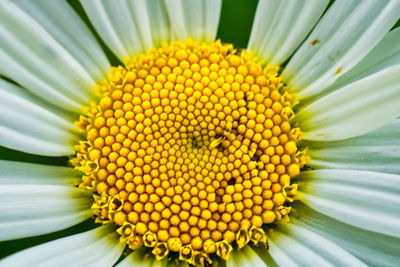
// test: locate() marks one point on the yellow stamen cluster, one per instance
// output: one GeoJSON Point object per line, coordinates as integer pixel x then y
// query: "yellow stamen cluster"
{"type": "Point", "coordinates": [190, 149]}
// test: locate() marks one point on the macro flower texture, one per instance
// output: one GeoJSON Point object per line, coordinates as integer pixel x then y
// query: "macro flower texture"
{"type": "Point", "coordinates": [194, 152]}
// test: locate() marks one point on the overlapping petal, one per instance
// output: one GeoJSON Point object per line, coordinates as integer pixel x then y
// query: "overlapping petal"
{"type": "Point", "coordinates": [138, 258]}
{"type": "Point", "coordinates": [129, 27]}
{"type": "Point", "coordinates": [92, 248]}
{"type": "Point", "coordinates": [64, 24]}
{"type": "Point", "coordinates": [345, 35]}
{"type": "Point", "coordinates": [22, 173]}
{"type": "Point", "coordinates": [31, 125]}
{"type": "Point", "coordinates": [370, 109]}
{"type": "Point", "coordinates": [372, 248]}
{"type": "Point", "coordinates": [279, 27]}
{"type": "Point", "coordinates": [385, 55]}
{"type": "Point", "coordinates": [291, 245]}
{"type": "Point", "coordinates": [37, 199]}
{"type": "Point", "coordinates": [355, 109]}
{"type": "Point", "coordinates": [46, 48]}
{"type": "Point", "coordinates": [377, 151]}
{"type": "Point", "coordinates": [368, 200]}
{"type": "Point", "coordinates": [196, 19]}
{"type": "Point", "coordinates": [245, 257]}
{"type": "Point", "coordinates": [35, 209]}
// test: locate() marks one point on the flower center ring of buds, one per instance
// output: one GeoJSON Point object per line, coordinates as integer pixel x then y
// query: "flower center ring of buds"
{"type": "Point", "coordinates": [190, 150]}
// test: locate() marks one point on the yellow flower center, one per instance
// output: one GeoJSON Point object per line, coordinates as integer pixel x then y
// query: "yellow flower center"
{"type": "Point", "coordinates": [190, 149]}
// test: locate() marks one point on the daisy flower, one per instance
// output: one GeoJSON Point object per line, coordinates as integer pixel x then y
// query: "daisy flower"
{"type": "Point", "coordinates": [195, 152]}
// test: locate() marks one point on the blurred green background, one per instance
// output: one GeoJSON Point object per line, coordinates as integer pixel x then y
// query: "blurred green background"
{"type": "Point", "coordinates": [235, 24]}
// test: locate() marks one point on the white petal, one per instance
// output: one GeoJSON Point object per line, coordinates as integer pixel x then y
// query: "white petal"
{"type": "Point", "coordinates": [212, 14]}
{"type": "Point", "coordinates": [129, 27]}
{"type": "Point", "coordinates": [372, 248]}
{"type": "Point", "coordinates": [196, 19]}
{"type": "Point", "coordinates": [29, 210]}
{"type": "Point", "coordinates": [39, 54]}
{"type": "Point", "coordinates": [265, 255]}
{"type": "Point", "coordinates": [384, 55]}
{"type": "Point", "coordinates": [245, 257]}
{"type": "Point", "coordinates": [33, 126]}
{"type": "Point", "coordinates": [136, 258]}
{"type": "Point", "coordinates": [343, 37]}
{"type": "Point", "coordinates": [376, 151]}
{"type": "Point", "coordinates": [252, 258]}
{"type": "Point", "coordinates": [118, 31]}
{"type": "Point", "coordinates": [64, 24]}
{"type": "Point", "coordinates": [280, 256]}
{"type": "Point", "coordinates": [21, 173]}
{"type": "Point", "coordinates": [141, 258]}
{"type": "Point", "coordinates": [24, 142]}
{"type": "Point", "coordinates": [152, 20]}
{"type": "Point", "coordinates": [356, 109]}
{"type": "Point", "coordinates": [279, 27]}
{"type": "Point", "coordinates": [304, 248]}
{"type": "Point", "coordinates": [367, 200]}
{"type": "Point", "coordinates": [92, 248]}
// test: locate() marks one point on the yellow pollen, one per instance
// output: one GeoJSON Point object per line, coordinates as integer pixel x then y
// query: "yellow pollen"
{"type": "Point", "coordinates": [190, 150]}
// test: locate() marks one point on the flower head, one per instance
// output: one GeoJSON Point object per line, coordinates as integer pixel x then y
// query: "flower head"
{"type": "Point", "coordinates": [196, 152]}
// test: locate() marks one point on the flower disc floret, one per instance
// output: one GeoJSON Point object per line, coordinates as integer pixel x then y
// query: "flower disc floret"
{"type": "Point", "coordinates": [190, 149]}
